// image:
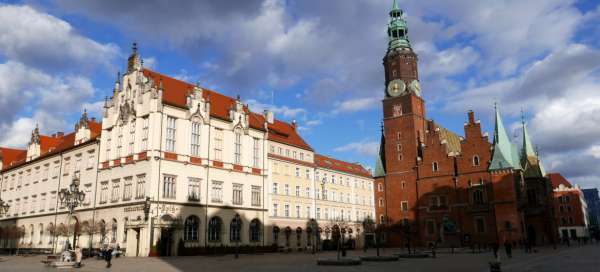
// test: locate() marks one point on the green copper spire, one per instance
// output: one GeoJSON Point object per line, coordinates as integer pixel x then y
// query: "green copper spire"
{"type": "Point", "coordinates": [505, 154]}
{"type": "Point", "coordinates": [380, 160]}
{"type": "Point", "coordinates": [397, 29]}
{"type": "Point", "coordinates": [532, 166]}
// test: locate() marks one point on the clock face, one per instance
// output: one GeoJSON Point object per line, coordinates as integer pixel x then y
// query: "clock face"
{"type": "Point", "coordinates": [415, 86]}
{"type": "Point", "coordinates": [396, 87]}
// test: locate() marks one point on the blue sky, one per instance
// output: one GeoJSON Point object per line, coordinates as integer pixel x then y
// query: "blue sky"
{"type": "Point", "coordinates": [320, 63]}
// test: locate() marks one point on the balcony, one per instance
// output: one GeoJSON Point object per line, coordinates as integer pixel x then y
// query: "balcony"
{"type": "Point", "coordinates": [193, 198]}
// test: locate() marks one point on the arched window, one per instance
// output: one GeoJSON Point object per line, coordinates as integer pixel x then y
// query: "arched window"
{"type": "Point", "coordinates": [435, 166]}
{"type": "Point", "coordinates": [214, 229]}
{"type": "Point", "coordinates": [254, 230]}
{"type": "Point", "coordinates": [235, 232]}
{"type": "Point", "coordinates": [41, 226]}
{"type": "Point", "coordinates": [475, 160]}
{"type": "Point", "coordinates": [238, 146]}
{"type": "Point", "coordinates": [477, 197]}
{"type": "Point", "coordinates": [190, 229]}
{"type": "Point", "coordinates": [276, 235]}
{"type": "Point", "coordinates": [113, 233]}
{"type": "Point", "coordinates": [51, 231]}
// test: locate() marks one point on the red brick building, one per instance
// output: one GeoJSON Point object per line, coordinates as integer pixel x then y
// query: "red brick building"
{"type": "Point", "coordinates": [435, 186]}
{"type": "Point", "coordinates": [571, 208]}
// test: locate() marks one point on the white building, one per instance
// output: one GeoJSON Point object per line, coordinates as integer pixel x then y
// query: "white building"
{"type": "Point", "coordinates": [197, 157]}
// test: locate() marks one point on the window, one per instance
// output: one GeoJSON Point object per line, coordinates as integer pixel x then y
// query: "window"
{"type": "Point", "coordinates": [171, 131]}
{"type": "Point", "coordinates": [254, 230]}
{"type": "Point", "coordinates": [91, 161]}
{"type": "Point", "coordinates": [214, 229]}
{"type": "Point", "coordinates": [144, 134]}
{"type": "Point", "coordinates": [237, 194]}
{"type": "Point", "coordinates": [307, 211]}
{"type": "Point", "coordinates": [115, 193]}
{"type": "Point", "coordinates": [191, 226]}
{"type": "Point", "coordinates": [119, 141]}
{"type": "Point", "coordinates": [397, 108]}
{"type": "Point", "coordinates": [195, 139]}
{"type": "Point", "coordinates": [255, 152]}
{"type": "Point", "coordinates": [193, 189]}
{"type": "Point", "coordinates": [108, 144]}
{"type": "Point", "coordinates": [103, 192]}
{"type": "Point", "coordinates": [256, 199]}
{"type": "Point", "coordinates": [318, 213]}
{"type": "Point", "coordinates": [140, 190]}
{"type": "Point", "coordinates": [430, 225]}
{"type": "Point", "coordinates": [275, 209]}
{"type": "Point", "coordinates": [218, 139]}
{"type": "Point", "coordinates": [131, 137]}
{"type": "Point", "coordinates": [43, 201]}
{"type": "Point", "coordinates": [307, 173]}
{"type": "Point", "coordinates": [434, 166]}
{"type": "Point", "coordinates": [235, 231]}
{"type": "Point", "coordinates": [297, 190]}
{"type": "Point", "coordinates": [301, 156]}
{"type": "Point", "coordinates": [53, 200]}
{"type": "Point", "coordinates": [287, 189]}
{"type": "Point", "coordinates": [238, 146]}
{"type": "Point", "coordinates": [127, 184]}
{"type": "Point", "coordinates": [286, 210]}
{"type": "Point", "coordinates": [275, 188]}
{"type": "Point", "coordinates": [307, 191]}
{"type": "Point", "coordinates": [480, 224]}
{"type": "Point", "coordinates": [169, 186]}
{"type": "Point", "coordinates": [217, 191]}
{"type": "Point", "coordinates": [477, 197]}
{"type": "Point", "coordinates": [66, 169]}
{"type": "Point", "coordinates": [380, 202]}
{"type": "Point", "coordinates": [87, 189]}
{"type": "Point", "coordinates": [297, 211]}
{"type": "Point", "coordinates": [380, 187]}
{"type": "Point", "coordinates": [475, 160]}
{"type": "Point", "coordinates": [404, 206]}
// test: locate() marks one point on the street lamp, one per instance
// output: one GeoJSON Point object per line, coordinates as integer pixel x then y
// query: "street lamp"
{"type": "Point", "coordinates": [237, 225]}
{"type": "Point", "coordinates": [72, 198]}
{"type": "Point", "coordinates": [147, 208]}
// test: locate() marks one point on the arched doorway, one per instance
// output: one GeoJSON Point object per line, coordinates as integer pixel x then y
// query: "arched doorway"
{"type": "Point", "coordinates": [531, 235]}
{"type": "Point", "coordinates": [165, 242]}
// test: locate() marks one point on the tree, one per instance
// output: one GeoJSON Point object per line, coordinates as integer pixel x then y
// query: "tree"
{"type": "Point", "coordinates": [338, 231]}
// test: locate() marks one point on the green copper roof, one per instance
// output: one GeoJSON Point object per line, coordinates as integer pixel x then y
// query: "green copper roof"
{"type": "Point", "coordinates": [505, 154]}
{"type": "Point", "coordinates": [397, 29]}
{"type": "Point", "coordinates": [530, 161]}
{"type": "Point", "coordinates": [380, 160]}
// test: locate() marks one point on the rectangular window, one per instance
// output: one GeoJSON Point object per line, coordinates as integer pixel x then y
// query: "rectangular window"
{"type": "Point", "coordinates": [218, 139]}
{"type": "Point", "coordinates": [193, 189]}
{"type": "Point", "coordinates": [140, 187]}
{"type": "Point", "coordinates": [169, 186]}
{"type": "Point", "coordinates": [66, 169]}
{"type": "Point", "coordinates": [108, 144]}
{"type": "Point", "coordinates": [286, 189]}
{"type": "Point", "coordinates": [275, 208]}
{"type": "Point", "coordinates": [297, 211]}
{"type": "Point", "coordinates": [43, 202]}
{"type": "Point", "coordinates": [275, 189]}
{"type": "Point", "coordinates": [318, 213]}
{"type": "Point", "coordinates": [238, 194]}
{"type": "Point", "coordinates": [131, 148]}
{"type": "Point", "coordinates": [256, 152]}
{"type": "Point", "coordinates": [103, 192]}
{"type": "Point", "coordinates": [297, 190]}
{"type": "Point", "coordinates": [404, 205]}
{"type": "Point", "coordinates": [307, 173]}
{"type": "Point", "coordinates": [119, 141]}
{"type": "Point", "coordinates": [91, 161]}
{"type": "Point", "coordinates": [237, 146]}
{"type": "Point", "coordinates": [297, 172]}
{"type": "Point", "coordinates": [307, 209]}
{"type": "Point", "coordinates": [286, 210]}
{"type": "Point", "coordinates": [307, 191]}
{"type": "Point", "coordinates": [144, 144]}
{"type": "Point", "coordinates": [195, 140]}
{"type": "Point", "coordinates": [217, 192]}
{"type": "Point", "coordinates": [256, 199]}
{"type": "Point", "coordinates": [115, 192]}
{"type": "Point", "coordinates": [171, 131]}
{"type": "Point", "coordinates": [127, 185]}
{"type": "Point", "coordinates": [87, 189]}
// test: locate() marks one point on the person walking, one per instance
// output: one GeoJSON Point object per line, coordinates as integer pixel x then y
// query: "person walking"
{"type": "Point", "coordinates": [78, 256]}
{"type": "Point", "coordinates": [508, 248]}
{"type": "Point", "coordinates": [495, 248]}
{"type": "Point", "coordinates": [108, 256]}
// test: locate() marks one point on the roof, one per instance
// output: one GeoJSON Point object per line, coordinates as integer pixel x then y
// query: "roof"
{"type": "Point", "coordinates": [49, 145]}
{"type": "Point", "coordinates": [341, 166]}
{"type": "Point", "coordinates": [530, 161]}
{"type": "Point", "coordinates": [452, 141]}
{"type": "Point", "coordinates": [175, 93]}
{"type": "Point", "coordinates": [380, 159]}
{"type": "Point", "coordinates": [9, 155]}
{"type": "Point", "coordinates": [557, 179]}
{"type": "Point", "coordinates": [505, 154]}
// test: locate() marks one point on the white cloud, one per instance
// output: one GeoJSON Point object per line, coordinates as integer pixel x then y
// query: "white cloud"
{"type": "Point", "coordinates": [45, 42]}
{"type": "Point", "coordinates": [357, 104]}
{"type": "Point", "coordinates": [285, 111]}
{"type": "Point", "coordinates": [365, 148]}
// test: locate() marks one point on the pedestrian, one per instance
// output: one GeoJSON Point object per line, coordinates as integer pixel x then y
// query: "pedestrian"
{"type": "Point", "coordinates": [433, 246]}
{"type": "Point", "coordinates": [108, 256]}
{"type": "Point", "coordinates": [508, 248]}
{"type": "Point", "coordinates": [78, 256]}
{"type": "Point", "coordinates": [495, 248]}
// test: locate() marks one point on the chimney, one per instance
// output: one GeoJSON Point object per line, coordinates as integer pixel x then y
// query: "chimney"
{"type": "Point", "coordinates": [269, 116]}
{"type": "Point", "coordinates": [59, 134]}
{"type": "Point", "coordinates": [471, 115]}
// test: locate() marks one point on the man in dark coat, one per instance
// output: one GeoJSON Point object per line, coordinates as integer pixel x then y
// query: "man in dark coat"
{"type": "Point", "coordinates": [108, 256]}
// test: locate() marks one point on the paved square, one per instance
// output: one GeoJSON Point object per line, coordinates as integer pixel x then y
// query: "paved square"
{"type": "Point", "coordinates": [581, 259]}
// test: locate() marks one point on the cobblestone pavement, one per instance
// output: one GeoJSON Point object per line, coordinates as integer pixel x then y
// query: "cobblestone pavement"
{"type": "Point", "coordinates": [580, 259]}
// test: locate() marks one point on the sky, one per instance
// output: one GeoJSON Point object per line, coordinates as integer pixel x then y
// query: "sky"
{"type": "Point", "coordinates": [319, 63]}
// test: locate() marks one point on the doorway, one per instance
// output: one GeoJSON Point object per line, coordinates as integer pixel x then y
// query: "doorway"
{"type": "Point", "coordinates": [166, 237]}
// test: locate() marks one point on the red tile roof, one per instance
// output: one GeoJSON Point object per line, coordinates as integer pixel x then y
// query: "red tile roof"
{"type": "Point", "coordinates": [9, 155]}
{"type": "Point", "coordinates": [557, 179]}
{"type": "Point", "coordinates": [175, 93]}
{"type": "Point", "coordinates": [49, 145]}
{"type": "Point", "coordinates": [342, 166]}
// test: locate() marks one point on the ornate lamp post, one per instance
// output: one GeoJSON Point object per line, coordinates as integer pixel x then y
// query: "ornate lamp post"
{"type": "Point", "coordinates": [147, 208]}
{"type": "Point", "coordinates": [237, 224]}
{"type": "Point", "coordinates": [72, 198]}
